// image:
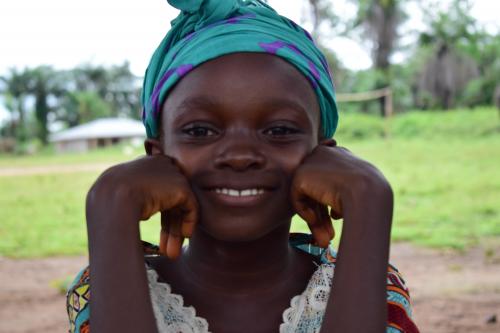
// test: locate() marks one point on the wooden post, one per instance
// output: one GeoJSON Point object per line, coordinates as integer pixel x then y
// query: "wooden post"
{"type": "Point", "coordinates": [388, 110]}
{"type": "Point", "coordinates": [385, 93]}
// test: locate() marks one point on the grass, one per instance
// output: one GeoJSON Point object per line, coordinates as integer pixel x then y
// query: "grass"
{"type": "Point", "coordinates": [47, 157]}
{"type": "Point", "coordinates": [444, 168]}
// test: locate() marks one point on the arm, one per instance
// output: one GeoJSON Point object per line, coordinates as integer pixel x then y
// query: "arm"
{"type": "Point", "coordinates": [358, 301]}
{"type": "Point", "coordinates": [120, 198]}
{"type": "Point", "coordinates": [354, 189]}
{"type": "Point", "coordinates": [120, 296]}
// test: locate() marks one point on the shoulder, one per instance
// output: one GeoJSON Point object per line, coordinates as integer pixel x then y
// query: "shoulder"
{"type": "Point", "coordinates": [78, 295]}
{"type": "Point", "coordinates": [77, 302]}
{"type": "Point", "coordinates": [399, 308]}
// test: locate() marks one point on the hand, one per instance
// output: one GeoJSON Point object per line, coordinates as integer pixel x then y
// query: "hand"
{"type": "Point", "coordinates": [149, 185]}
{"type": "Point", "coordinates": [329, 177]}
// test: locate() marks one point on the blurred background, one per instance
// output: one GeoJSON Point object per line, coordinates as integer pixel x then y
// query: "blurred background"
{"type": "Point", "coordinates": [418, 86]}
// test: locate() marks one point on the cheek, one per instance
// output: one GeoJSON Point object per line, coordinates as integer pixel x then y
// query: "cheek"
{"type": "Point", "coordinates": [186, 162]}
{"type": "Point", "coordinates": [290, 158]}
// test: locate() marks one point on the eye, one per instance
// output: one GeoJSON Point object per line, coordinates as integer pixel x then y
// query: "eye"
{"type": "Point", "coordinates": [279, 131]}
{"type": "Point", "coordinates": [199, 131]}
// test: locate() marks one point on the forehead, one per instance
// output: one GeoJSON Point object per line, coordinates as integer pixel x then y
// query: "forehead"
{"type": "Point", "coordinates": [244, 80]}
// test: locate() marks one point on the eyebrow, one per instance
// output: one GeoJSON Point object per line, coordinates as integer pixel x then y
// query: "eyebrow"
{"type": "Point", "coordinates": [207, 102]}
{"type": "Point", "coordinates": [197, 102]}
{"type": "Point", "coordinates": [282, 103]}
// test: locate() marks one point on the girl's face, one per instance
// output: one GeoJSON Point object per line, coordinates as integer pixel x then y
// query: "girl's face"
{"type": "Point", "coordinates": [238, 127]}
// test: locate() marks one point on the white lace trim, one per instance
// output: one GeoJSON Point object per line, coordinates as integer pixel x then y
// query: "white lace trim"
{"type": "Point", "coordinates": [307, 310]}
{"type": "Point", "coordinates": [170, 313]}
{"type": "Point", "coordinates": [304, 315]}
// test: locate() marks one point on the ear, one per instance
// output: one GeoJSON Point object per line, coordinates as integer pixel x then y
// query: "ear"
{"type": "Point", "coordinates": [153, 147]}
{"type": "Point", "coordinates": [328, 142]}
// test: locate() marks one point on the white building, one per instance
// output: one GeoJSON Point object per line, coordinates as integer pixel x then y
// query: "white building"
{"type": "Point", "coordinates": [99, 133]}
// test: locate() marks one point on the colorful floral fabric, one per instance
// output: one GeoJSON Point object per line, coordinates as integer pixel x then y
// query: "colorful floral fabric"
{"type": "Point", "coordinates": [398, 299]}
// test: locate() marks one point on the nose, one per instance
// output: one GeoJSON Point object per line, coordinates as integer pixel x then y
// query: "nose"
{"type": "Point", "coordinates": [239, 153]}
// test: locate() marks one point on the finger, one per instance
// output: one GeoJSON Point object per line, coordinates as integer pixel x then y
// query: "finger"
{"type": "Point", "coordinates": [322, 233]}
{"type": "Point", "coordinates": [175, 240]}
{"type": "Point", "coordinates": [190, 216]}
{"type": "Point", "coordinates": [163, 242]}
{"type": "Point", "coordinates": [302, 206]}
{"type": "Point", "coordinates": [329, 142]}
{"type": "Point", "coordinates": [183, 207]}
{"type": "Point", "coordinates": [164, 233]}
{"type": "Point", "coordinates": [305, 210]}
{"type": "Point", "coordinates": [317, 219]}
{"type": "Point", "coordinates": [336, 212]}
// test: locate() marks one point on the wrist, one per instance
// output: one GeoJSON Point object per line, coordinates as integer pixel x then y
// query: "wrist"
{"type": "Point", "coordinates": [109, 205]}
{"type": "Point", "coordinates": [369, 191]}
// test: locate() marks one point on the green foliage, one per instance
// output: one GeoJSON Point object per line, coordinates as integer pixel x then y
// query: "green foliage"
{"type": "Point", "coordinates": [461, 50]}
{"type": "Point", "coordinates": [322, 16]}
{"type": "Point", "coordinates": [42, 94]}
{"type": "Point", "coordinates": [481, 123]}
{"type": "Point", "coordinates": [82, 107]}
{"type": "Point", "coordinates": [453, 25]}
{"type": "Point", "coordinates": [485, 51]}
{"type": "Point", "coordinates": [443, 168]}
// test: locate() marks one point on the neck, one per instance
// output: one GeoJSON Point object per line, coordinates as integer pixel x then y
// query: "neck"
{"type": "Point", "coordinates": [239, 266]}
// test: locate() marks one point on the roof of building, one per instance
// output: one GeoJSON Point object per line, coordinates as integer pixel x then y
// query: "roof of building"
{"type": "Point", "coordinates": [101, 129]}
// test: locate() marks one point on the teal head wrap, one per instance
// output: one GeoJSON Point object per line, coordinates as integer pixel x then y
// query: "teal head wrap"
{"type": "Point", "coordinates": [207, 29]}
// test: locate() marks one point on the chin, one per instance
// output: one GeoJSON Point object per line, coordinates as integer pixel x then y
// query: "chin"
{"type": "Point", "coordinates": [243, 228]}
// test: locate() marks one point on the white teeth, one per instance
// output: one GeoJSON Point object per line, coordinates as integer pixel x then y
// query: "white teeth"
{"type": "Point", "coordinates": [236, 193]}
{"type": "Point", "coordinates": [246, 192]}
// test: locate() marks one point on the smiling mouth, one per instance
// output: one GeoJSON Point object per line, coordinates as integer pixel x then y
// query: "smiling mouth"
{"type": "Point", "coordinates": [239, 193]}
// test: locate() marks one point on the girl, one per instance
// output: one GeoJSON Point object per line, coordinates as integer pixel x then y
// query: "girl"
{"type": "Point", "coordinates": [239, 110]}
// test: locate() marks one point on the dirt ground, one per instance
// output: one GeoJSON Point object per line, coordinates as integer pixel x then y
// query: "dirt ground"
{"type": "Point", "coordinates": [452, 292]}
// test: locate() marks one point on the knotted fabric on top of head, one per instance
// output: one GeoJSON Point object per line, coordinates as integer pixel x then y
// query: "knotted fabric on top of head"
{"type": "Point", "coordinates": [208, 29]}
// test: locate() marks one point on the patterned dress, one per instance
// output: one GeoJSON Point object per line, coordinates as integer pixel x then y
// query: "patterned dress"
{"type": "Point", "coordinates": [304, 315]}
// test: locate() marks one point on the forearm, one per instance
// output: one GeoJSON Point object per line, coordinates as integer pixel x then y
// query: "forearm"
{"type": "Point", "coordinates": [357, 301]}
{"type": "Point", "coordinates": [120, 299]}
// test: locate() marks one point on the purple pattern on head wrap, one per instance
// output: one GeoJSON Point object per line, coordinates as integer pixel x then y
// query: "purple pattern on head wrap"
{"type": "Point", "coordinates": [272, 47]}
{"type": "Point", "coordinates": [237, 19]}
{"type": "Point", "coordinates": [180, 71]}
{"type": "Point", "coordinates": [189, 36]}
{"type": "Point", "coordinates": [156, 91]}
{"type": "Point", "coordinates": [314, 83]}
{"type": "Point", "coordinates": [314, 70]}
{"type": "Point", "coordinates": [295, 49]}
{"type": "Point", "coordinates": [183, 70]}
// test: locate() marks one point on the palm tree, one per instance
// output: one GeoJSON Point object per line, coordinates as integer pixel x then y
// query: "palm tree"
{"type": "Point", "coordinates": [380, 20]}
{"type": "Point", "coordinates": [15, 91]}
{"type": "Point", "coordinates": [447, 71]}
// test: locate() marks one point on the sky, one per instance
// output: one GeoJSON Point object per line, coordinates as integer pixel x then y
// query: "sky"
{"type": "Point", "coordinates": [66, 33]}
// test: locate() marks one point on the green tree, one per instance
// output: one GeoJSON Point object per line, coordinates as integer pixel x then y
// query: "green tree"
{"type": "Point", "coordinates": [83, 106]}
{"type": "Point", "coordinates": [46, 86]}
{"type": "Point", "coordinates": [456, 45]}
{"type": "Point", "coordinates": [322, 16]}
{"type": "Point", "coordinates": [379, 21]}
{"type": "Point", "coordinates": [116, 85]}
{"type": "Point", "coordinates": [15, 91]}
